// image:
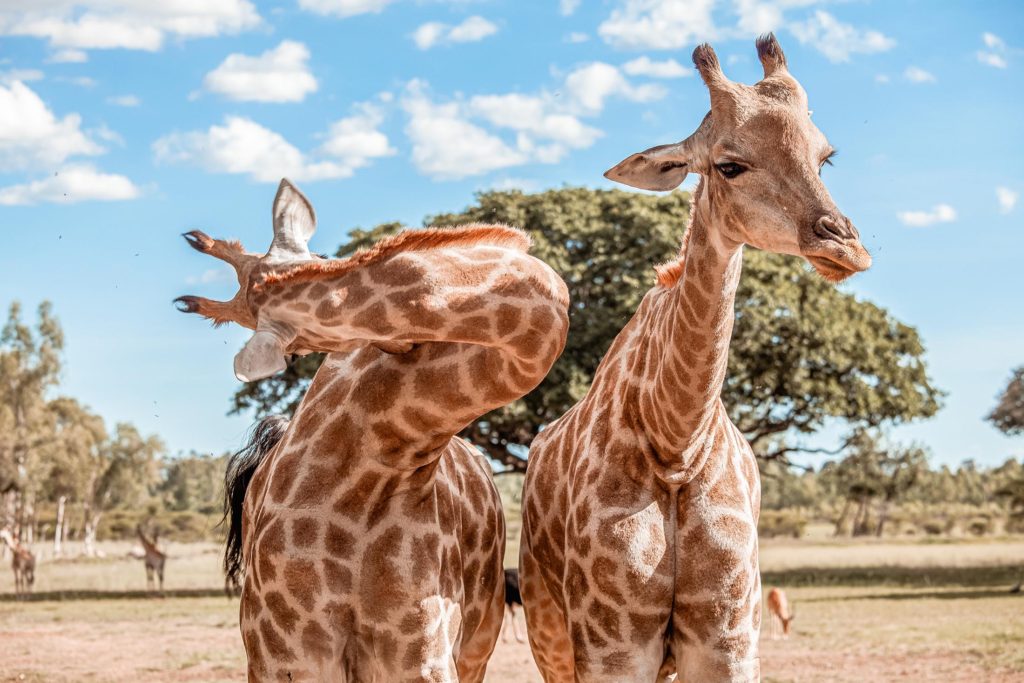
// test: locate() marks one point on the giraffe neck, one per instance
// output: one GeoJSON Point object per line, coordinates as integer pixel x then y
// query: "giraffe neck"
{"type": "Point", "coordinates": [694, 329]}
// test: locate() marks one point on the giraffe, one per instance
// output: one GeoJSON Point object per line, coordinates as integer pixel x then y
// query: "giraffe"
{"type": "Point", "coordinates": [373, 537]}
{"type": "Point", "coordinates": [638, 558]}
{"type": "Point", "coordinates": [23, 562]}
{"type": "Point", "coordinates": [153, 558]}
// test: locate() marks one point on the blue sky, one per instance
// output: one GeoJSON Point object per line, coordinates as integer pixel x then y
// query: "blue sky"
{"type": "Point", "coordinates": [126, 122]}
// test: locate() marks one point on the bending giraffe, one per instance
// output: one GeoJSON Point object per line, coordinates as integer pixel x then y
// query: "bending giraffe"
{"type": "Point", "coordinates": [153, 559]}
{"type": "Point", "coordinates": [23, 562]}
{"type": "Point", "coordinates": [372, 537]}
{"type": "Point", "coordinates": [640, 505]}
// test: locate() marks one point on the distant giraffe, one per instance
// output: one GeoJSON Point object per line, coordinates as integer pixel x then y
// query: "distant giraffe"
{"type": "Point", "coordinates": [154, 559]}
{"type": "Point", "coordinates": [23, 562]}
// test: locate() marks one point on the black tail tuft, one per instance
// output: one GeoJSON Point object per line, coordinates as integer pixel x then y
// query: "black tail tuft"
{"type": "Point", "coordinates": [262, 438]}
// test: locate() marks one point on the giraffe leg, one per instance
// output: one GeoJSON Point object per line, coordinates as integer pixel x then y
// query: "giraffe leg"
{"type": "Point", "coordinates": [545, 624]}
{"type": "Point", "coordinates": [717, 614]}
{"type": "Point", "coordinates": [515, 625]}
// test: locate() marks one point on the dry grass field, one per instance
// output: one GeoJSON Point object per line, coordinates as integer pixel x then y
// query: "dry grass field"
{"type": "Point", "coordinates": [913, 611]}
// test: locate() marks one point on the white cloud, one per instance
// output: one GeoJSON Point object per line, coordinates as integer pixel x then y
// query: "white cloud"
{"type": "Point", "coordinates": [916, 74]}
{"type": "Point", "coordinates": [278, 75]}
{"type": "Point", "coordinates": [643, 66]}
{"type": "Point", "coordinates": [659, 24]}
{"type": "Point", "coordinates": [991, 59]}
{"type": "Point", "coordinates": [23, 75]}
{"type": "Point", "coordinates": [344, 8]}
{"type": "Point", "coordinates": [356, 139]}
{"type": "Point", "coordinates": [68, 57]}
{"type": "Point", "coordinates": [882, 78]}
{"type": "Point", "coordinates": [591, 85]}
{"type": "Point", "coordinates": [567, 7]}
{"type": "Point", "coordinates": [836, 40]}
{"type": "Point", "coordinates": [1007, 199]}
{"type": "Point", "coordinates": [80, 81]}
{"type": "Point", "coordinates": [124, 101]}
{"type": "Point", "coordinates": [76, 183]}
{"type": "Point", "coordinates": [996, 54]}
{"type": "Point", "coordinates": [31, 136]}
{"type": "Point", "coordinates": [243, 146]}
{"type": "Point", "coordinates": [451, 140]}
{"type": "Point", "coordinates": [576, 37]}
{"type": "Point", "coordinates": [471, 30]}
{"type": "Point", "coordinates": [940, 213]}
{"type": "Point", "coordinates": [71, 26]}
{"type": "Point", "coordinates": [993, 41]}
{"type": "Point", "coordinates": [447, 146]}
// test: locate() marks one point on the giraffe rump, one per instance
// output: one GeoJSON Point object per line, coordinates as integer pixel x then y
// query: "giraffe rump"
{"type": "Point", "coordinates": [264, 435]}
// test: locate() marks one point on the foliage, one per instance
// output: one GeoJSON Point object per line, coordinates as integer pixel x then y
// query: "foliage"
{"type": "Point", "coordinates": [1008, 415]}
{"type": "Point", "coordinates": [803, 351]}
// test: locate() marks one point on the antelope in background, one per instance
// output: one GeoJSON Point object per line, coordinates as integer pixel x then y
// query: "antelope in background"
{"type": "Point", "coordinates": [780, 612]}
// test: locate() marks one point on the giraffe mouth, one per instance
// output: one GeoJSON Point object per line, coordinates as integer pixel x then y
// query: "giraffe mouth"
{"type": "Point", "coordinates": [830, 269]}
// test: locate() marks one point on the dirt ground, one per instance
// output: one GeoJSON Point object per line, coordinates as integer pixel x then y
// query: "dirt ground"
{"type": "Point", "coordinates": [91, 621]}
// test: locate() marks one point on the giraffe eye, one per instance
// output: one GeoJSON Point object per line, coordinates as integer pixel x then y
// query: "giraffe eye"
{"type": "Point", "coordinates": [730, 169]}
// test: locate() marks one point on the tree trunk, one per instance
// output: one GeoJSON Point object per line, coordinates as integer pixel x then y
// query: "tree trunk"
{"type": "Point", "coordinates": [90, 521]}
{"type": "Point", "coordinates": [860, 522]}
{"type": "Point", "coordinates": [841, 522]}
{"type": "Point", "coordinates": [58, 531]}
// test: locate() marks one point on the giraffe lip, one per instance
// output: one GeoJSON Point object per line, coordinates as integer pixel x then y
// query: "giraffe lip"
{"type": "Point", "coordinates": [830, 269]}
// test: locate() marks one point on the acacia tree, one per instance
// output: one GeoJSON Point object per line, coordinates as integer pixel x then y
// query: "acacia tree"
{"type": "Point", "coordinates": [1008, 415]}
{"type": "Point", "coordinates": [803, 351]}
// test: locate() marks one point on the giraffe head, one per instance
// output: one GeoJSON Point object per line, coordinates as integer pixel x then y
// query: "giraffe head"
{"type": "Point", "coordinates": [760, 156]}
{"type": "Point", "coordinates": [294, 223]}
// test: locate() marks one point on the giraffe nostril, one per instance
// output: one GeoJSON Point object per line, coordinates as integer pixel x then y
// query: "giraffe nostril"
{"type": "Point", "coordinates": [834, 228]}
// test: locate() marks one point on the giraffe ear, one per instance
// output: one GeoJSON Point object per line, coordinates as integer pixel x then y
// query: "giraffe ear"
{"type": "Point", "coordinates": [663, 167]}
{"type": "Point", "coordinates": [261, 357]}
{"type": "Point", "coordinates": [658, 168]}
{"type": "Point", "coordinates": [294, 224]}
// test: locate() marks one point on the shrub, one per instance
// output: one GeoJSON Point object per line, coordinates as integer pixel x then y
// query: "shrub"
{"type": "Point", "coordinates": [781, 523]}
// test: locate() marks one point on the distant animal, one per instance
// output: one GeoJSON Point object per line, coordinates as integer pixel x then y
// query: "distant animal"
{"type": "Point", "coordinates": [512, 598]}
{"type": "Point", "coordinates": [781, 613]}
{"type": "Point", "coordinates": [23, 562]}
{"type": "Point", "coordinates": [154, 559]}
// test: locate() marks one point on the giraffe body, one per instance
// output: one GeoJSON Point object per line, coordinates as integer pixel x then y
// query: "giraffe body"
{"type": "Point", "coordinates": [640, 505]}
{"type": "Point", "coordinates": [23, 564]}
{"type": "Point", "coordinates": [372, 536]}
{"type": "Point", "coordinates": [153, 559]}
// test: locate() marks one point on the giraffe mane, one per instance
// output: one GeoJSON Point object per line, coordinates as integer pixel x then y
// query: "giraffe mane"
{"type": "Point", "coordinates": [668, 273]}
{"type": "Point", "coordinates": [424, 239]}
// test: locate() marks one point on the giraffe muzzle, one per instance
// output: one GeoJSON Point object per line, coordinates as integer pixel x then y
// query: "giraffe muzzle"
{"type": "Point", "coordinates": [832, 246]}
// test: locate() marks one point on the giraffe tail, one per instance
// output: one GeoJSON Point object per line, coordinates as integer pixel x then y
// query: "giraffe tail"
{"type": "Point", "coordinates": [264, 435]}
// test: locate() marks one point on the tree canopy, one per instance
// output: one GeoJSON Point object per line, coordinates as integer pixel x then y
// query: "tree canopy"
{"type": "Point", "coordinates": [803, 351]}
{"type": "Point", "coordinates": [1008, 415]}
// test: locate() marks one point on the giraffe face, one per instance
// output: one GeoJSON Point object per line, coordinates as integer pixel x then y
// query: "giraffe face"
{"type": "Point", "coordinates": [761, 158]}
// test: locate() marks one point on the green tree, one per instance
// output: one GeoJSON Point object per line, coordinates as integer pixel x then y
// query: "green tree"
{"type": "Point", "coordinates": [803, 351]}
{"type": "Point", "coordinates": [1008, 415]}
{"type": "Point", "coordinates": [29, 368]}
{"type": "Point", "coordinates": [193, 482]}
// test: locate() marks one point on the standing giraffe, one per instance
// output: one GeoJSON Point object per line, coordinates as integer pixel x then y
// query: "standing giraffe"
{"type": "Point", "coordinates": [23, 562]}
{"type": "Point", "coordinates": [639, 546]}
{"type": "Point", "coordinates": [153, 558]}
{"type": "Point", "coordinates": [373, 537]}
